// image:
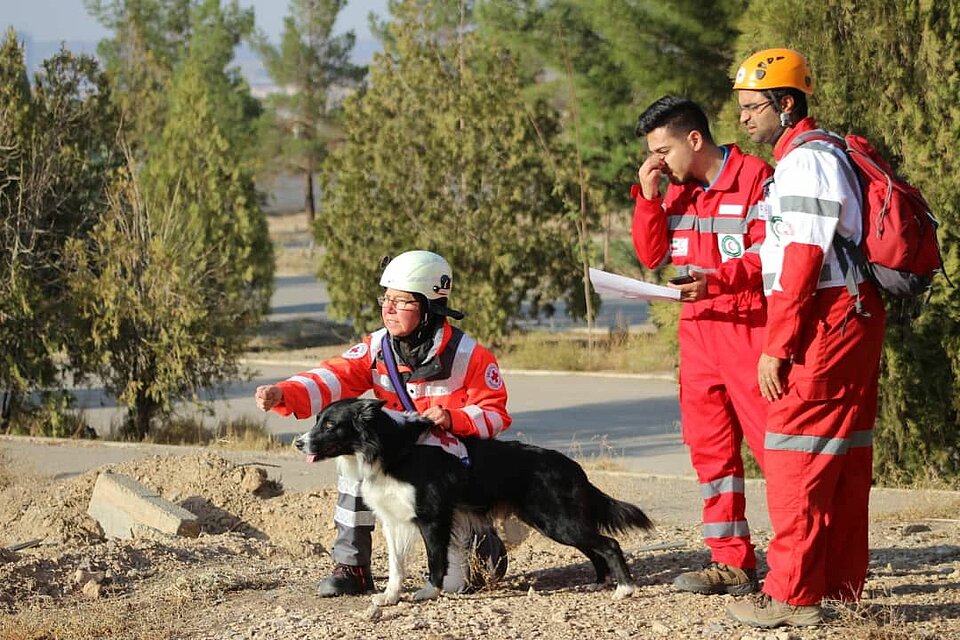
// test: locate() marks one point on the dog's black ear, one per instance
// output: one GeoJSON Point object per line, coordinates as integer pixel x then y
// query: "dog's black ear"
{"type": "Point", "coordinates": [368, 408]}
{"type": "Point", "coordinates": [368, 414]}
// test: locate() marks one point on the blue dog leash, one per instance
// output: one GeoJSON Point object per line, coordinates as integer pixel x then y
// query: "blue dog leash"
{"type": "Point", "coordinates": [398, 385]}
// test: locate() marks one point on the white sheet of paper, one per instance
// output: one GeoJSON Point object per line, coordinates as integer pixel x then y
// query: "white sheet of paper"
{"type": "Point", "coordinates": [624, 287]}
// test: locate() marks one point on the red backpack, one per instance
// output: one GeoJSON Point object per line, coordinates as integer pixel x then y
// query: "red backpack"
{"type": "Point", "coordinates": [899, 251]}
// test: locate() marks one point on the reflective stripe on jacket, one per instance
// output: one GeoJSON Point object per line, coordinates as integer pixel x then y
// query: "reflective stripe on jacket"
{"type": "Point", "coordinates": [460, 376]}
{"type": "Point", "coordinates": [814, 194]}
{"type": "Point", "coordinates": [714, 229]}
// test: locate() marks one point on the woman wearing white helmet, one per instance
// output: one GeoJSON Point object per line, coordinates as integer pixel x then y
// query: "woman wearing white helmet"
{"type": "Point", "coordinates": [448, 377]}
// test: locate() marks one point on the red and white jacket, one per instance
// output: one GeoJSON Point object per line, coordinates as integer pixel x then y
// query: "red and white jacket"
{"type": "Point", "coordinates": [814, 194]}
{"type": "Point", "coordinates": [714, 229]}
{"type": "Point", "coordinates": [458, 375]}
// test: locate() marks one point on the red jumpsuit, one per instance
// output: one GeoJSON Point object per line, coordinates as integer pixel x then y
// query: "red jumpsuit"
{"type": "Point", "coordinates": [818, 445]}
{"type": "Point", "coordinates": [716, 230]}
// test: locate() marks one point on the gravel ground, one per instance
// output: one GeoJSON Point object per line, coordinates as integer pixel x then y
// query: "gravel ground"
{"type": "Point", "coordinates": [253, 570]}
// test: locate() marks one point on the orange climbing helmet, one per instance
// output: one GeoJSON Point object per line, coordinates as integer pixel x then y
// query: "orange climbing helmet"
{"type": "Point", "coordinates": [774, 69]}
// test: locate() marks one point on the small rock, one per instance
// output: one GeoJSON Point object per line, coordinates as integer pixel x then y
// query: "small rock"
{"type": "Point", "coordinates": [279, 611]}
{"type": "Point", "coordinates": [92, 589]}
{"type": "Point", "coordinates": [909, 529]}
{"type": "Point", "coordinates": [253, 479]}
{"type": "Point", "coordinates": [561, 615]}
{"type": "Point", "coordinates": [85, 577]}
{"type": "Point", "coordinates": [659, 628]}
{"type": "Point", "coordinates": [372, 613]}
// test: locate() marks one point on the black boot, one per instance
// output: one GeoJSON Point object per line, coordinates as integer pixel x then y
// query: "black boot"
{"type": "Point", "coordinates": [346, 580]}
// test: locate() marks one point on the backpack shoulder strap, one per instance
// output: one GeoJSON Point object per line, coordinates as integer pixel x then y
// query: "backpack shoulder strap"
{"type": "Point", "coordinates": [820, 135]}
{"type": "Point", "coordinates": [843, 247]}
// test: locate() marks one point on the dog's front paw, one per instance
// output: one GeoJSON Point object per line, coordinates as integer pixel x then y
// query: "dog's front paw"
{"type": "Point", "coordinates": [623, 591]}
{"type": "Point", "coordinates": [428, 592]}
{"type": "Point", "coordinates": [385, 599]}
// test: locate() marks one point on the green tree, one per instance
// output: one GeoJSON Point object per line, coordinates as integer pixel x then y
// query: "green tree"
{"type": "Point", "coordinates": [890, 71]}
{"type": "Point", "coordinates": [182, 264]}
{"type": "Point", "coordinates": [443, 153]}
{"type": "Point", "coordinates": [622, 55]}
{"type": "Point", "coordinates": [56, 151]}
{"type": "Point", "coordinates": [149, 41]}
{"type": "Point", "coordinates": [148, 293]}
{"type": "Point", "coordinates": [310, 65]}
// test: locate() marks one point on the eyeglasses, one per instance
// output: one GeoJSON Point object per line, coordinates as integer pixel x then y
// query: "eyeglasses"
{"type": "Point", "coordinates": [755, 107]}
{"type": "Point", "coordinates": [400, 304]}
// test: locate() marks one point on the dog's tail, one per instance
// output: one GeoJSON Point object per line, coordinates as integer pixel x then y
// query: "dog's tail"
{"type": "Point", "coordinates": [616, 516]}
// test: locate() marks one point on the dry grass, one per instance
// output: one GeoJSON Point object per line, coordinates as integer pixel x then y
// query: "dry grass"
{"type": "Point", "coordinates": [207, 586]}
{"type": "Point", "coordinates": [293, 247]}
{"type": "Point", "coordinates": [869, 621]}
{"type": "Point", "coordinates": [606, 458]}
{"type": "Point", "coordinates": [109, 619]}
{"type": "Point", "coordinates": [246, 434]}
{"type": "Point", "coordinates": [242, 433]}
{"type": "Point", "coordinates": [154, 614]}
{"type": "Point", "coordinates": [627, 353]}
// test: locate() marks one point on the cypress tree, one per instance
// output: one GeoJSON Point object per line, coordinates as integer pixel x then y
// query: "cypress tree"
{"type": "Point", "coordinates": [443, 153]}
{"type": "Point", "coordinates": [56, 153]}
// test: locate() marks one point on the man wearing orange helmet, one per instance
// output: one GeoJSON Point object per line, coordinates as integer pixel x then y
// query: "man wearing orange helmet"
{"type": "Point", "coordinates": [820, 361]}
{"type": "Point", "coordinates": [706, 225]}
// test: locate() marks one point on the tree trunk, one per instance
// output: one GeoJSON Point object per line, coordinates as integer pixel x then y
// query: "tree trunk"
{"type": "Point", "coordinates": [137, 426]}
{"type": "Point", "coordinates": [309, 203]}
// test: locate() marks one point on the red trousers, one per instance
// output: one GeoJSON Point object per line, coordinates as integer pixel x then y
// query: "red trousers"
{"type": "Point", "coordinates": [819, 453]}
{"type": "Point", "coordinates": [720, 404]}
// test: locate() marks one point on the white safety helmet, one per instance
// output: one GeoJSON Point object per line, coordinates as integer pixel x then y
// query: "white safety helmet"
{"type": "Point", "coordinates": [422, 272]}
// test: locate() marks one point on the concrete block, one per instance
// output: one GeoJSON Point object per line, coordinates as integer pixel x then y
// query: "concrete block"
{"type": "Point", "coordinates": [122, 506]}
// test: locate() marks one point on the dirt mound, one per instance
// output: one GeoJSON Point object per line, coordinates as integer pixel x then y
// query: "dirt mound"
{"type": "Point", "coordinates": [241, 514]}
{"type": "Point", "coordinates": [252, 572]}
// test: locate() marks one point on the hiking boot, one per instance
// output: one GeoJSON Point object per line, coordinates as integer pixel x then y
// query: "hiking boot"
{"type": "Point", "coordinates": [346, 580]}
{"type": "Point", "coordinates": [763, 611]}
{"type": "Point", "coordinates": [717, 577]}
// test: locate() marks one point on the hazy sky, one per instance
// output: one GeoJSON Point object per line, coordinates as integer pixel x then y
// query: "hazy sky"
{"type": "Point", "coordinates": [68, 19]}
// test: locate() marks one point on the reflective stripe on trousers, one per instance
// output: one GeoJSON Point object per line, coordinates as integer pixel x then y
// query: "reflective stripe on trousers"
{"type": "Point", "coordinates": [353, 519]}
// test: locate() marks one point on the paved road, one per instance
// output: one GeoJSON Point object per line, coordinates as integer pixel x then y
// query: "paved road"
{"type": "Point", "coordinates": [628, 421]}
{"type": "Point", "coordinates": [624, 417]}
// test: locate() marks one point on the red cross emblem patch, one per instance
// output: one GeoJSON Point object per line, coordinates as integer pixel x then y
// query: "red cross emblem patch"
{"type": "Point", "coordinates": [492, 377]}
{"type": "Point", "coordinates": [356, 351]}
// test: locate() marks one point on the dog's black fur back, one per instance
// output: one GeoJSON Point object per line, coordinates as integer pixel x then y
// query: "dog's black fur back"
{"type": "Point", "coordinates": [544, 488]}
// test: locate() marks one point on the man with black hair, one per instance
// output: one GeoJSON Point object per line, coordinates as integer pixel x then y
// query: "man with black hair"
{"type": "Point", "coordinates": [418, 362]}
{"type": "Point", "coordinates": [821, 355]}
{"type": "Point", "coordinates": [707, 225]}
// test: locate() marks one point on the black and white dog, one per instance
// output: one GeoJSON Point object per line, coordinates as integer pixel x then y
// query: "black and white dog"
{"type": "Point", "coordinates": [411, 487]}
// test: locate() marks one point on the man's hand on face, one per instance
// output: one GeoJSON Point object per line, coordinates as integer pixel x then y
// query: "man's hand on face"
{"type": "Point", "coordinates": [649, 176]}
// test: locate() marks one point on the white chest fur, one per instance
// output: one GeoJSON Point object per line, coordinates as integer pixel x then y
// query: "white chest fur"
{"type": "Point", "coordinates": [389, 498]}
